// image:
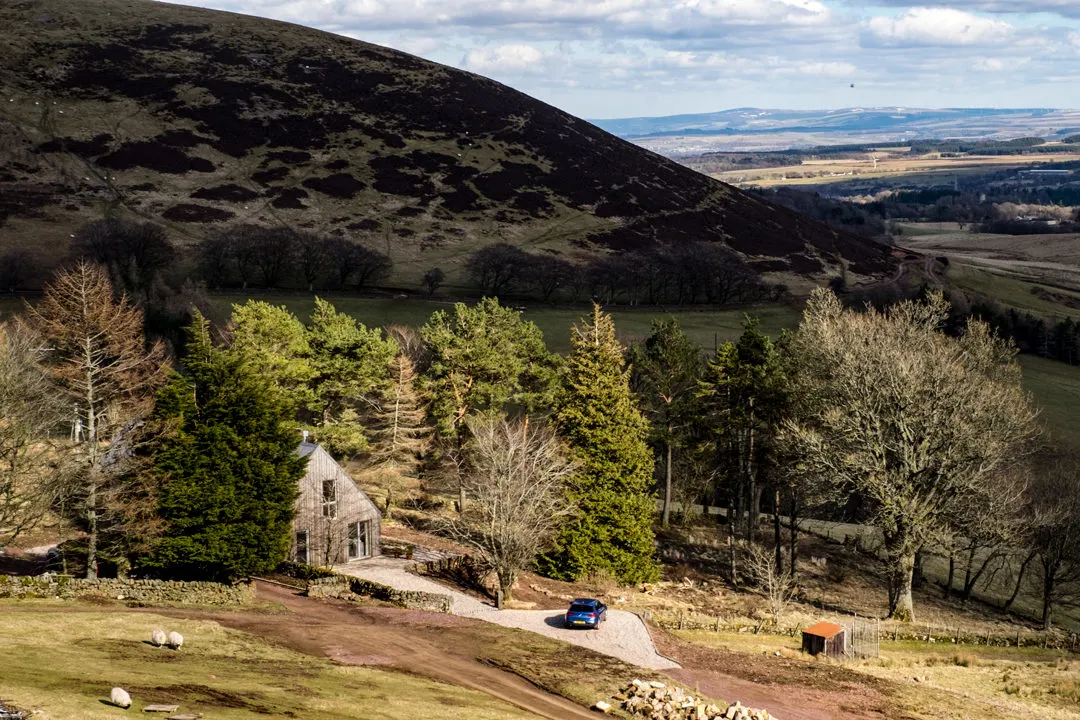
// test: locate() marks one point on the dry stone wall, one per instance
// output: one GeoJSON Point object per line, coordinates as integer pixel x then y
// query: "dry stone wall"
{"type": "Point", "coordinates": [657, 701]}
{"type": "Point", "coordinates": [143, 591]}
{"type": "Point", "coordinates": [343, 587]}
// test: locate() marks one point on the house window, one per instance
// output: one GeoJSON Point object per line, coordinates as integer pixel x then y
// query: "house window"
{"type": "Point", "coordinates": [329, 499]}
{"type": "Point", "coordinates": [358, 540]}
{"type": "Point", "coordinates": [301, 547]}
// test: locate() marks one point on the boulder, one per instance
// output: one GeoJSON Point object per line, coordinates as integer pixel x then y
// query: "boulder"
{"type": "Point", "coordinates": [602, 706]}
{"type": "Point", "coordinates": [161, 708]}
{"type": "Point", "coordinates": [120, 698]}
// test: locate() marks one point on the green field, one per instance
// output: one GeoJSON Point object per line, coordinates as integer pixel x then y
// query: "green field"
{"type": "Point", "coordinates": [1009, 291]}
{"type": "Point", "coordinates": [706, 327]}
{"type": "Point", "coordinates": [1056, 387]}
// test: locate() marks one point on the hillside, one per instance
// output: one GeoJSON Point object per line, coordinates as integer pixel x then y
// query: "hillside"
{"type": "Point", "coordinates": [202, 119]}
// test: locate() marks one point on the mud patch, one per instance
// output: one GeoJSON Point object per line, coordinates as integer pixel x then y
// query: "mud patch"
{"type": "Point", "coordinates": [201, 694]}
{"type": "Point", "coordinates": [191, 213]}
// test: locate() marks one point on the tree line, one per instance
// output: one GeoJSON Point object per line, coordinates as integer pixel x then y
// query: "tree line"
{"type": "Point", "coordinates": [185, 466]}
{"type": "Point", "coordinates": [143, 261]}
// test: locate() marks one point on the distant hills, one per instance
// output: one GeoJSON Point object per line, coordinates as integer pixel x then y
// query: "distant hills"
{"type": "Point", "coordinates": [202, 120]}
{"type": "Point", "coordinates": [760, 129]}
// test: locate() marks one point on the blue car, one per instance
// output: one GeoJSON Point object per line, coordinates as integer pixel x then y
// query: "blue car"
{"type": "Point", "coordinates": [587, 613]}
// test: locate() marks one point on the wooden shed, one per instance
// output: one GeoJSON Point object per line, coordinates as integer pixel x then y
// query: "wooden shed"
{"type": "Point", "coordinates": [335, 520]}
{"type": "Point", "coordinates": [824, 637]}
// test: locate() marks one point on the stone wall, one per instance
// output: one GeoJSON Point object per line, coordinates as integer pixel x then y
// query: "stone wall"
{"type": "Point", "coordinates": [142, 591]}
{"type": "Point", "coordinates": [343, 587]}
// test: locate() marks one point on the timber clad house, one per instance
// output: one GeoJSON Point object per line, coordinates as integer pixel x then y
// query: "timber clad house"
{"type": "Point", "coordinates": [335, 521]}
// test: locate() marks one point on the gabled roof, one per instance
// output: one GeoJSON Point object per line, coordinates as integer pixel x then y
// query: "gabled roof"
{"type": "Point", "coordinates": [306, 448]}
{"type": "Point", "coordinates": [823, 629]}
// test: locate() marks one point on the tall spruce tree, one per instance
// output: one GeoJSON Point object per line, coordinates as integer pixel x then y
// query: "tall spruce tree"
{"type": "Point", "coordinates": [229, 472]}
{"type": "Point", "coordinates": [596, 414]}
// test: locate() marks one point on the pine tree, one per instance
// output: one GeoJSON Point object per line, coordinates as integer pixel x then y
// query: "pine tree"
{"type": "Point", "coordinates": [229, 471]}
{"type": "Point", "coordinates": [400, 433]}
{"type": "Point", "coordinates": [667, 367]}
{"type": "Point", "coordinates": [596, 415]}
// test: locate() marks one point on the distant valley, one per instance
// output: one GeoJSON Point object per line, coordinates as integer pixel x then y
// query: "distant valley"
{"type": "Point", "coordinates": [756, 129]}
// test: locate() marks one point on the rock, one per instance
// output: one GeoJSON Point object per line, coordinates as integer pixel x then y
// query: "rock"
{"type": "Point", "coordinates": [185, 716]}
{"type": "Point", "coordinates": [157, 638]}
{"type": "Point", "coordinates": [161, 708]}
{"type": "Point", "coordinates": [657, 685]}
{"type": "Point", "coordinates": [602, 706]}
{"type": "Point", "coordinates": [176, 640]}
{"type": "Point", "coordinates": [120, 698]}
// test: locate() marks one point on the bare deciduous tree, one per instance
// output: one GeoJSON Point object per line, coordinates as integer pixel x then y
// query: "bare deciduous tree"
{"type": "Point", "coordinates": [775, 584]}
{"type": "Point", "coordinates": [917, 423]}
{"type": "Point", "coordinates": [1055, 533]}
{"type": "Point", "coordinates": [517, 477]}
{"type": "Point", "coordinates": [97, 353]}
{"type": "Point", "coordinates": [29, 411]}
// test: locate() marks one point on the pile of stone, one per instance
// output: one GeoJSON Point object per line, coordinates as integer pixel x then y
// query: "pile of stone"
{"type": "Point", "coordinates": [656, 701]}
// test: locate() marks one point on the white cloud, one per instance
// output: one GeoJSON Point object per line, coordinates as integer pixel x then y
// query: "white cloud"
{"type": "Point", "coordinates": [943, 27]}
{"type": "Point", "coordinates": [502, 59]}
{"type": "Point", "coordinates": [988, 65]}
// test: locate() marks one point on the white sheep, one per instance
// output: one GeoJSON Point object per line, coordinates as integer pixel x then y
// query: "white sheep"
{"type": "Point", "coordinates": [176, 640]}
{"type": "Point", "coordinates": [158, 638]}
{"type": "Point", "coordinates": [120, 698]}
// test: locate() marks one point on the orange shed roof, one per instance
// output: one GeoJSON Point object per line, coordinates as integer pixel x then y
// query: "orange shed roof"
{"type": "Point", "coordinates": [823, 629]}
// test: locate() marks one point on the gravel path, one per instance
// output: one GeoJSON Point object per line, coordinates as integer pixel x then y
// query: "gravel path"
{"type": "Point", "coordinates": [623, 635]}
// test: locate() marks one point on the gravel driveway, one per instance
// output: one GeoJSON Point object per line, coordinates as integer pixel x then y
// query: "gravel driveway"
{"type": "Point", "coordinates": [623, 635]}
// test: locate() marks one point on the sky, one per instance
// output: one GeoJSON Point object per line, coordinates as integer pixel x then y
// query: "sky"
{"type": "Point", "coordinates": [630, 58]}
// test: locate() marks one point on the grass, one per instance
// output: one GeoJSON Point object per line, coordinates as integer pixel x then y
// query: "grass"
{"type": "Point", "coordinates": [1009, 291]}
{"type": "Point", "coordinates": [967, 683]}
{"type": "Point", "coordinates": [1056, 388]}
{"type": "Point", "coordinates": [63, 664]}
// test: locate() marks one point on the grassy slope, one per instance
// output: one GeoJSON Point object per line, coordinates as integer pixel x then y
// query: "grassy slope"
{"type": "Point", "coordinates": [65, 664]}
{"type": "Point", "coordinates": [965, 683]}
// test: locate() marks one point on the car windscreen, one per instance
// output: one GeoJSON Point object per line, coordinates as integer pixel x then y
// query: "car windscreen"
{"type": "Point", "coordinates": [582, 608]}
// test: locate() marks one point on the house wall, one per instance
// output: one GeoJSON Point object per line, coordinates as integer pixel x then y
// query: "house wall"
{"type": "Point", "coordinates": [328, 537]}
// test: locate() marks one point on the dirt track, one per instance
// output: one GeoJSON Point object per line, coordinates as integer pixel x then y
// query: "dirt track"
{"type": "Point", "coordinates": [393, 638]}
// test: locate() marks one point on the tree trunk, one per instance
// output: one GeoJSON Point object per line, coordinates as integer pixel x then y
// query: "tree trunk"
{"type": "Point", "coordinates": [91, 474]}
{"type": "Point", "coordinates": [751, 481]}
{"type": "Point", "coordinates": [794, 520]}
{"type": "Point", "coordinates": [968, 582]}
{"type": "Point", "coordinates": [732, 571]}
{"type": "Point", "coordinates": [1049, 583]}
{"type": "Point", "coordinates": [666, 519]}
{"type": "Point", "coordinates": [777, 538]}
{"type": "Point", "coordinates": [1019, 581]}
{"type": "Point", "coordinates": [947, 592]}
{"type": "Point", "coordinates": [92, 532]}
{"type": "Point", "coordinates": [902, 607]}
{"type": "Point", "coordinates": [460, 475]}
{"type": "Point", "coordinates": [972, 579]}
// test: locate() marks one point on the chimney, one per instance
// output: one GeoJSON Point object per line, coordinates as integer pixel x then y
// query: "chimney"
{"type": "Point", "coordinates": [304, 434]}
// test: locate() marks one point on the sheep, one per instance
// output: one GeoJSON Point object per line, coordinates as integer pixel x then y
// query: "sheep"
{"type": "Point", "coordinates": [120, 698]}
{"type": "Point", "coordinates": [176, 640]}
{"type": "Point", "coordinates": [158, 638]}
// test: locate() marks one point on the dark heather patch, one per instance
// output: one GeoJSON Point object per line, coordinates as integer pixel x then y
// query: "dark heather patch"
{"type": "Point", "coordinates": [190, 213]}
{"type": "Point", "coordinates": [164, 37]}
{"type": "Point", "coordinates": [339, 185]}
{"type": "Point", "coordinates": [404, 232]}
{"type": "Point", "coordinates": [228, 193]}
{"type": "Point", "coordinates": [501, 186]}
{"type": "Point", "coordinates": [805, 264]}
{"type": "Point", "coordinates": [154, 156]}
{"type": "Point", "coordinates": [409, 212]}
{"type": "Point", "coordinates": [337, 165]}
{"type": "Point", "coordinates": [533, 202]}
{"type": "Point", "coordinates": [143, 187]}
{"type": "Point", "coordinates": [289, 199]}
{"type": "Point", "coordinates": [617, 208]}
{"type": "Point", "coordinates": [98, 145]}
{"type": "Point", "coordinates": [265, 177]}
{"type": "Point", "coordinates": [289, 157]}
{"type": "Point", "coordinates": [462, 200]}
{"type": "Point", "coordinates": [768, 265]}
{"type": "Point", "coordinates": [365, 224]}
{"type": "Point", "coordinates": [390, 178]}
{"type": "Point", "coordinates": [180, 138]}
